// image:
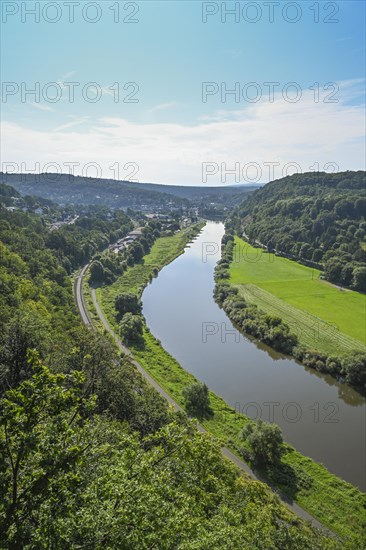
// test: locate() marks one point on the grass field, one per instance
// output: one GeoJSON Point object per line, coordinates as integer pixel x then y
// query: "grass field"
{"type": "Point", "coordinates": [323, 494]}
{"type": "Point", "coordinates": [324, 317]}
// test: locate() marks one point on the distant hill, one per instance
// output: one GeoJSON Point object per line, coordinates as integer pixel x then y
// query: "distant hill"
{"type": "Point", "coordinates": [68, 189]}
{"type": "Point", "coordinates": [200, 193]}
{"type": "Point", "coordinates": [65, 188]}
{"type": "Point", "coordinates": [315, 218]}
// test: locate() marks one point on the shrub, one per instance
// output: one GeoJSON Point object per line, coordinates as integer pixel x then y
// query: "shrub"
{"type": "Point", "coordinates": [265, 440]}
{"type": "Point", "coordinates": [130, 328]}
{"type": "Point", "coordinates": [354, 370]}
{"type": "Point", "coordinates": [197, 400]}
{"type": "Point", "coordinates": [96, 272]}
{"type": "Point", "coordinates": [127, 302]}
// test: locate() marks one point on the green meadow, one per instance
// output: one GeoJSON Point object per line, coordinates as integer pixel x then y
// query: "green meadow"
{"type": "Point", "coordinates": [324, 317]}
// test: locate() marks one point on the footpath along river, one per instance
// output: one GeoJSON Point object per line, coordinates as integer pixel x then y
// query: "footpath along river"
{"type": "Point", "coordinates": [322, 418]}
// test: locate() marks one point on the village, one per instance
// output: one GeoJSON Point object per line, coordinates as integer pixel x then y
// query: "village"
{"type": "Point", "coordinates": [168, 224]}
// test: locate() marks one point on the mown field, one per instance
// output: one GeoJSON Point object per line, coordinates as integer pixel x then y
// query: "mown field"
{"type": "Point", "coordinates": [324, 317]}
{"type": "Point", "coordinates": [323, 494]}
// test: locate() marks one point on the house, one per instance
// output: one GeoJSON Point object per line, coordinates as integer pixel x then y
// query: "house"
{"type": "Point", "coordinates": [136, 233]}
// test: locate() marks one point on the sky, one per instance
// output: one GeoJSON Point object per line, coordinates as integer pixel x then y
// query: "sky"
{"type": "Point", "coordinates": [183, 92]}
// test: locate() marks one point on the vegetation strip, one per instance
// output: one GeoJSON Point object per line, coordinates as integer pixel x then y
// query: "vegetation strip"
{"type": "Point", "coordinates": [302, 479]}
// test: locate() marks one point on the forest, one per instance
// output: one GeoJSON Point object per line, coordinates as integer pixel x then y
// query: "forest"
{"type": "Point", "coordinates": [315, 218]}
{"type": "Point", "coordinates": [81, 190]}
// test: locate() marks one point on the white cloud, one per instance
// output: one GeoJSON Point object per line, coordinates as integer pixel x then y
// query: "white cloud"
{"type": "Point", "coordinates": [304, 133]}
{"type": "Point", "coordinates": [162, 107]}
{"type": "Point", "coordinates": [71, 124]}
{"type": "Point", "coordinates": [41, 106]}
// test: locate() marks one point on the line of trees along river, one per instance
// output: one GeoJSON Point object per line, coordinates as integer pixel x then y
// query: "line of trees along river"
{"type": "Point", "coordinates": [322, 418]}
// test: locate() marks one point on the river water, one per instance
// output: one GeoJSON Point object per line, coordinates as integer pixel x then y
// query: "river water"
{"type": "Point", "coordinates": [322, 418]}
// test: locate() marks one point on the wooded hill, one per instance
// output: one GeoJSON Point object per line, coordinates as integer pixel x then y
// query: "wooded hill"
{"type": "Point", "coordinates": [315, 218]}
{"type": "Point", "coordinates": [66, 189]}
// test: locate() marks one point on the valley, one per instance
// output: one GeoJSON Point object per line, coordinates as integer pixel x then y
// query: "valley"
{"type": "Point", "coordinates": [182, 275]}
{"type": "Point", "coordinates": [167, 270]}
{"type": "Point", "coordinates": [220, 363]}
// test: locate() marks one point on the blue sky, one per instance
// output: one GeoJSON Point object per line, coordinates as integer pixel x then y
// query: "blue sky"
{"type": "Point", "coordinates": [169, 132]}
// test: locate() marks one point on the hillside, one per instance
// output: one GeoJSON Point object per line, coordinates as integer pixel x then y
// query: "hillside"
{"type": "Point", "coordinates": [315, 218]}
{"type": "Point", "coordinates": [66, 189]}
{"type": "Point", "coordinates": [147, 197]}
{"type": "Point", "coordinates": [224, 194]}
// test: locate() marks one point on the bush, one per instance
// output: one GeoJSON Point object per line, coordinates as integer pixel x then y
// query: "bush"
{"type": "Point", "coordinates": [197, 400]}
{"type": "Point", "coordinates": [130, 328]}
{"type": "Point", "coordinates": [354, 370]}
{"type": "Point", "coordinates": [265, 440]}
{"type": "Point", "coordinates": [222, 291]}
{"type": "Point", "coordinates": [127, 302]}
{"type": "Point", "coordinates": [96, 272]}
{"type": "Point", "coordinates": [247, 455]}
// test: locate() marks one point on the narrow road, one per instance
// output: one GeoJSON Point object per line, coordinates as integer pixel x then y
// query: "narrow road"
{"type": "Point", "coordinates": [79, 297]}
{"type": "Point", "coordinates": [126, 351]}
{"type": "Point", "coordinates": [295, 508]}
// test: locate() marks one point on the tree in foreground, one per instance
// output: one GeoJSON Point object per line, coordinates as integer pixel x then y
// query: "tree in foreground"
{"type": "Point", "coordinates": [265, 440]}
{"type": "Point", "coordinates": [197, 400]}
{"type": "Point", "coordinates": [38, 446]}
{"type": "Point", "coordinates": [72, 479]}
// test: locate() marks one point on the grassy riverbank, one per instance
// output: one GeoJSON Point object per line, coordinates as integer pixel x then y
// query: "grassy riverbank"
{"type": "Point", "coordinates": [323, 316]}
{"type": "Point", "coordinates": [163, 251]}
{"type": "Point", "coordinates": [334, 502]}
{"type": "Point", "coordinates": [321, 493]}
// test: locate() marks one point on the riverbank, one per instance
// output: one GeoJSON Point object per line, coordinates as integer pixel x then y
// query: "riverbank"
{"type": "Point", "coordinates": [269, 319]}
{"type": "Point", "coordinates": [323, 317]}
{"type": "Point", "coordinates": [309, 484]}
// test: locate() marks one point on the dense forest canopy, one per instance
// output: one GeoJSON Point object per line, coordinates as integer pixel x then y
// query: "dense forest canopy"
{"type": "Point", "coordinates": [316, 218]}
{"type": "Point", "coordinates": [36, 261]}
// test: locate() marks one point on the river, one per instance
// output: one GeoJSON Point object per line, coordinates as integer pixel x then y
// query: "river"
{"type": "Point", "coordinates": [322, 418]}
